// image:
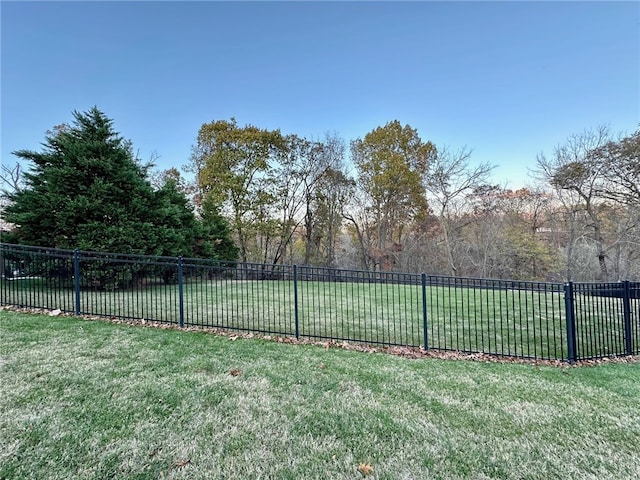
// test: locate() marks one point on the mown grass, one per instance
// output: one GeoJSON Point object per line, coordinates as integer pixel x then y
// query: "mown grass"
{"type": "Point", "coordinates": [95, 400]}
{"type": "Point", "coordinates": [507, 322]}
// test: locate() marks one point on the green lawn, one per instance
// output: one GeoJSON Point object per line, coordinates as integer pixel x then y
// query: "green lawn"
{"type": "Point", "coordinates": [95, 400]}
{"type": "Point", "coordinates": [508, 322]}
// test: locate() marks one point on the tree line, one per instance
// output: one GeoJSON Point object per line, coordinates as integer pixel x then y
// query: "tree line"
{"type": "Point", "coordinates": [387, 201]}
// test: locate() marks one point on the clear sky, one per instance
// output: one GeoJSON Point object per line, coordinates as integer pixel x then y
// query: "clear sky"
{"type": "Point", "coordinates": [507, 79]}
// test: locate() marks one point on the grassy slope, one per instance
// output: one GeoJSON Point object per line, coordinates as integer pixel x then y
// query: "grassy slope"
{"type": "Point", "coordinates": [86, 399]}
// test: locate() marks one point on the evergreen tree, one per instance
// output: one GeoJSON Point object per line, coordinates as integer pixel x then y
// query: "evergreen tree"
{"type": "Point", "coordinates": [215, 234]}
{"type": "Point", "coordinates": [87, 190]}
{"type": "Point", "coordinates": [176, 226]}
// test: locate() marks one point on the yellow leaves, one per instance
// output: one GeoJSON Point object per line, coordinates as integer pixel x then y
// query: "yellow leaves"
{"type": "Point", "coordinates": [391, 162]}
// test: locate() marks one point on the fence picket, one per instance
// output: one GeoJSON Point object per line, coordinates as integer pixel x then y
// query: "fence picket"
{"type": "Point", "coordinates": [500, 317]}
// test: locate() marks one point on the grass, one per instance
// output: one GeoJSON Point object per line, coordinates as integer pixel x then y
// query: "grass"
{"type": "Point", "coordinates": [95, 400]}
{"type": "Point", "coordinates": [507, 322]}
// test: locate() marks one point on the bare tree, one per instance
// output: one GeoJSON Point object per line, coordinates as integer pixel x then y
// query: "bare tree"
{"type": "Point", "coordinates": [448, 182]}
{"type": "Point", "coordinates": [579, 181]}
{"type": "Point", "coordinates": [11, 182]}
{"type": "Point", "coordinates": [326, 193]}
{"type": "Point", "coordinates": [11, 178]}
{"type": "Point", "coordinates": [361, 228]}
{"type": "Point", "coordinates": [621, 168]}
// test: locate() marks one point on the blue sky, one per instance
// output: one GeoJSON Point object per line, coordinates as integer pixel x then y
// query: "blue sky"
{"type": "Point", "coordinates": [507, 79]}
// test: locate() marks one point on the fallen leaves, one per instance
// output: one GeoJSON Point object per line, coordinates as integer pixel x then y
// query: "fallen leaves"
{"type": "Point", "coordinates": [178, 464]}
{"type": "Point", "coordinates": [401, 351]}
{"type": "Point", "coordinates": [366, 469]}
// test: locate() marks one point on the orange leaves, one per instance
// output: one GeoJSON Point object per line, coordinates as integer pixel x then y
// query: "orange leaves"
{"type": "Point", "coordinates": [366, 469]}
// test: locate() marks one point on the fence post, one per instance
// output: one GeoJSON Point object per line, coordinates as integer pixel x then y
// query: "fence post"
{"type": "Point", "coordinates": [571, 322]}
{"type": "Point", "coordinates": [180, 292]}
{"type": "Point", "coordinates": [76, 280]}
{"type": "Point", "coordinates": [295, 300]}
{"type": "Point", "coordinates": [626, 303]}
{"type": "Point", "coordinates": [424, 311]}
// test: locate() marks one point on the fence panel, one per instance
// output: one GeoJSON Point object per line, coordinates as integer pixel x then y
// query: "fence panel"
{"type": "Point", "coordinates": [634, 316]}
{"type": "Point", "coordinates": [37, 277]}
{"type": "Point", "coordinates": [129, 286]}
{"type": "Point", "coordinates": [377, 308]}
{"type": "Point", "coordinates": [239, 296]}
{"type": "Point", "coordinates": [600, 319]}
{"type": "Point", "coordinates": [501, 317]}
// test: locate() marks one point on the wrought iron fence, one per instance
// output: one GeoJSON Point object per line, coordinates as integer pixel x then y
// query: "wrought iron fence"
{"type": "Point", "coordinates": [537, 320]}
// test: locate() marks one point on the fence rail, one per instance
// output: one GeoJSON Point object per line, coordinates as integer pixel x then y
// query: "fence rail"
{"type": "Point", "coordinates": [537, 320]}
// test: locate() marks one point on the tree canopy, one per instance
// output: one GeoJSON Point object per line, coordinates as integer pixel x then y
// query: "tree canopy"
{"type": "Point", "coordinates": [87, 190]}
{"type": "Point", "coordinates": [391, 162]}
{"type": "Point", "coordinates": [398, 203]}
{"type": "Point", "coordinates": [270, 186]}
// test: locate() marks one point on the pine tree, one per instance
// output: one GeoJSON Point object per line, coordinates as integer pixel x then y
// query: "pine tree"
{"type": "Point", "coordinates": [215, 234]}
{"type": "Point", "coordinates": [85, 190]}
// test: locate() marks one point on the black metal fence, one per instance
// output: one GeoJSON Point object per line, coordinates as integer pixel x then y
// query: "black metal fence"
{"type": "Point", "coordinates": [538, 320]}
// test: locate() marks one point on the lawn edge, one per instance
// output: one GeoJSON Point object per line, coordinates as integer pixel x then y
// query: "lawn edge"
{"type": "Point", "coordinates": [398, 351]}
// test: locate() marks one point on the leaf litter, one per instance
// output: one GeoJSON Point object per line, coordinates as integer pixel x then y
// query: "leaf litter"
{"type": "Point", "coordinates": [400, 351]}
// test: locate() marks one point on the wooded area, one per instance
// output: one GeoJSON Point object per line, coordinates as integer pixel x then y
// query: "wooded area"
{"type": "Point", "coordinates": [389, 201]}
{"type": "Point", "coordinates": [400, 203]}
